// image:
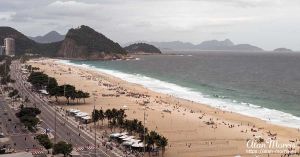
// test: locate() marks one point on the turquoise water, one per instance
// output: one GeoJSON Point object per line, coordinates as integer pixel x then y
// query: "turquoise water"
{"type": "Point", "coordinates": [263, 85]}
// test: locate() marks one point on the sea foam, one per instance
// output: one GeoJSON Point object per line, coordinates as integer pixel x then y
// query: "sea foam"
{"type": "Point", "coordinates": [269, 115]}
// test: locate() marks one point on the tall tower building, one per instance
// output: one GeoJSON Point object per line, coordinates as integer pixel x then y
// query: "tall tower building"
{"type": "Point", "coordinates": [9, 44]}
{"type": "Point", "coordinates": [1, 50]}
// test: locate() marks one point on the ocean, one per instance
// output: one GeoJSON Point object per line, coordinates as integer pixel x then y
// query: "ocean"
{"type": "Point", "coordinates": [262, 85]}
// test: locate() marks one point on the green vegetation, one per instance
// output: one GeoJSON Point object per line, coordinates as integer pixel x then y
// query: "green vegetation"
{"type": "Point", "coordinates": [24, 44]}
{"type": "Point", "coordinates": [92, 42]}
{"type": "Point", "coordinates": [44, 141]}
{"type": "Point", "coordinates": [86, 42]}
{"type": "Point", "coordinates": [116, 118]}
{"type": "Point", "coordinates": [62, 148]}
{"type": "Point", "coordinates": [27, 116]}
{"type": "Point", "coordinates": [142, 48]}
{"type": "Point", "coordinates": [40, 80]}
{"type": "Point", "coordinates": [13, 93]}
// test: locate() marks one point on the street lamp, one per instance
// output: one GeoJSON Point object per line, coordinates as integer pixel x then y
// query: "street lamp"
{"type": "Point", "coordinates": [95, 124]}
{"type": "Point", "coordinates": [145, 118]}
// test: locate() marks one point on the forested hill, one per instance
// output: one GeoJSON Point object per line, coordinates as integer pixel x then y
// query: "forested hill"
{"type": "Point", "coordinates": [142, 48]}
{"type": "Point", "coordinates": [86, 43]}
{"type": "Point", "coordinates": [80, 43]}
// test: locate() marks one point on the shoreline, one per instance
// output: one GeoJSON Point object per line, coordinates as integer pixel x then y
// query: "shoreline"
{"type": "Point", "coordinates": [238, 107]}
{"type": "Point", "coordinates": [228, 128]}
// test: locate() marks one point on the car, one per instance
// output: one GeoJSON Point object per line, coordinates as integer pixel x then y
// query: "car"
{"type": "Point", "coordinates": [2, 135]}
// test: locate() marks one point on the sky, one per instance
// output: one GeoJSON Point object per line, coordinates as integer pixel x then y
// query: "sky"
{"type": "Point", "coordinates": [268, 24]}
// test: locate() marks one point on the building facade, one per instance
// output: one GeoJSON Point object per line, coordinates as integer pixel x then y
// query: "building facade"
{"type": "Point", "coordinates": [9, 44]}
{"type": "Point", "coordinates": [1, 50]}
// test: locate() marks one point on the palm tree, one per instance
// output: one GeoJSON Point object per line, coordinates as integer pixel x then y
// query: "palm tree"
{"type": "Point", "coordinates": [101, 115]}
{"type": "Point", "coordinates": [126, 125]}
{"type": "Point", "coordinates": [108, 115]}
{"type": "Point", "coordinates": [120, 117]}
{"type": "Point", "coordinates": [162, 143]}
{"type": "Point", "coordinates": [95, 116]}
{"type": "Point", "coordinates": [114, 113]}
{"type": "Point", "coordinates": [149, 142]}
{"type": "Point", "coordinates": [155, 136]}
{"type": "Point", "coordinates": [85, 95]}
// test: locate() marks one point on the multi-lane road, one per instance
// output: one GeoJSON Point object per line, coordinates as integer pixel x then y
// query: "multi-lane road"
{"type": "Point", "coordinates": [10, 126]}
{"type": "Point", "coordinates": [65, 129]}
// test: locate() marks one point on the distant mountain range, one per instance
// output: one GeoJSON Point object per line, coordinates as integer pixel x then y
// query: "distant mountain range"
{"type": "Point", "coordinates": [50, 37]}
{"type": "Point", "coordinates": [211, 45]}
{"type": "Point", "coordinates": [80, 43]}
{"type": "Point", "coordinates": [282, 50]}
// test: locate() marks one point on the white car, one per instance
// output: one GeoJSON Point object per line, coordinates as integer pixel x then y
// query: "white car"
{"type": "Point", "coordinates": [1, 135]}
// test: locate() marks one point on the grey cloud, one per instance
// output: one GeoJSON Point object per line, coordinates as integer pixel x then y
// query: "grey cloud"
{"type": "Point", "coordinates": [158, 20]}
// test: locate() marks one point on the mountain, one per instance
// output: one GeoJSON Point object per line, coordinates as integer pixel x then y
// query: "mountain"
{"type": "Point", "coordinates": [211, 45]}
{"type": "Point", "coordinates": [142, 48]}
{"type": "Point", "coordinates": [79, 43]}
{"type": "Point", "coordinates": [173, 45]}
{"type": "Point", "coordinates": [24, 44]}
{"type": "Point", "coordinates": [245, 47]}
{"type": "Point", "coordinates": [215, 45]}
{"type": "Point", "coordinates": [50, 37]}
{"type": "Point", "coordinates": [282, 50]}
{"type": "Point", "coordinates": [85, 43]}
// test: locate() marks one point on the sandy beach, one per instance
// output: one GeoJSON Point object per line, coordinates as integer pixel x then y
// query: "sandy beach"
{"type": "Point", "coordinates": [192, 129]}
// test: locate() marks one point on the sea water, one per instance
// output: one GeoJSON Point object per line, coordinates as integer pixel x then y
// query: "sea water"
{"type": "Point", "coordinates": [262, 85]}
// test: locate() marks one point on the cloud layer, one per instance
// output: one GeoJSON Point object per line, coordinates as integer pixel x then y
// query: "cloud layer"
{"type": "Point", "coordinates": [266, 23]}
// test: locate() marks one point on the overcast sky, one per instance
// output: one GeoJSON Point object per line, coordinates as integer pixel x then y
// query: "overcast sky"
{"type": "Point", "coordinates": [265, 23]}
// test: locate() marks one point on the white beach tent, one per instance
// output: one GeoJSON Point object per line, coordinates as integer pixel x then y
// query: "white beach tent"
{"type": "Point", "coordinates": [128, 143]}
{"type": "Point", "coordinates": [81, 114]}
{"type": "Point", "coordinates": [43, 91]}
{"type": "Point", "coordinates": [74, 111]}
{"type": "Point", "coordinates": [135, 141]}
{"type": "Point", "coordinates": [128, 138]}
{"type": "Point", "coordinates": [138, 145]}
{"type": "Point", "coordinates": [115, 135]}
{"type": "Point", "coordinates": [86, 118]}
{"type": "Point", "coordinates": [123, 137]}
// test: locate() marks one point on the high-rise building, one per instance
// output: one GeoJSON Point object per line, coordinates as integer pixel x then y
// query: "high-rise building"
{"type": "Point", "coordinates": [1, 50]}
{"type": "Point", "coordinates": [9, 44]}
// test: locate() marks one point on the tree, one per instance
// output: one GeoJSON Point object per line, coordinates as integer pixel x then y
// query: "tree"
{"type": "Point", "coordinates": [101, 115]}
{"type": "Point", "coordinates": [44, 141]}
{"type": "Point", "coordinates": [62, 148]}
{"type": "Point", "coordinates": [52, 83]}
{"type": "Point", "coordinates": [27, 116]}
{"type": "Point", "coordinates": [162, 143]}
{"type": "Point", "coordinates": [57, 91]}
{"type": "Point", "coordinates": [69, 91]}
{"type": "Point", "coordinates": [29, 122]}
{"type": "Point", "coordinates": [38, 79]}
{"type": "Point", "coordinates": [95, 116]}
{"type": "Point", "coordinates": [108, 114]}
{"type": "Point", "coordinates": [154, 137]}
{"type": "Point", "coordinates": [149, 142]}
{"type": "Point", "coordinates": [13, 93]}
{"type": "Point", "coordinates": [85, 95]}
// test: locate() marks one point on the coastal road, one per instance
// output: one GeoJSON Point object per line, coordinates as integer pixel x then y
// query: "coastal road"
{"type": "Point", "coordinates": [65, 130]}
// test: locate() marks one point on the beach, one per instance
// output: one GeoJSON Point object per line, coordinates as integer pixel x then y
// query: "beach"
{"type": "Point", "coordinates": [192, 129]}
